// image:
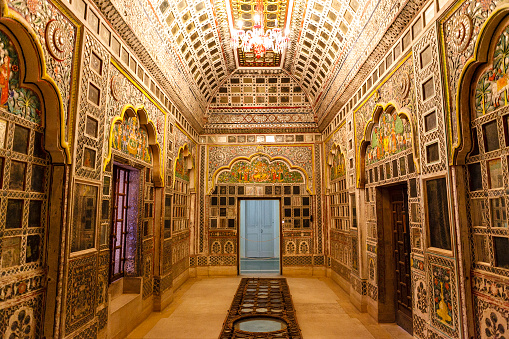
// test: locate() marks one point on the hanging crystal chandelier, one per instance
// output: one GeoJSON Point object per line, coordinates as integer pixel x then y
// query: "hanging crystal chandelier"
{"type": "Point", "coordinates": [258, 41]}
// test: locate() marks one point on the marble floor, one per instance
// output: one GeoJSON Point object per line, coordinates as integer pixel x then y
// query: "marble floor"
{"type": "Point", "coordinates": [323, 311]}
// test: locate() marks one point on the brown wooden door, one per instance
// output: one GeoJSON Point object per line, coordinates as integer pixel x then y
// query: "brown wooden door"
{"type": "Point", "coordinates": [401, 241]}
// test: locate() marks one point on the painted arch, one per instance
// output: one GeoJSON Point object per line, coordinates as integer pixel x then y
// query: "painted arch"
{"type": "Point", "coordinates": [389, 131]}
{"type": "Point", "coordinates": [32, 93]}
{"type": "Point", "coordinates": [134, 134]}
{"type": "Point", "coordinates": [260, 168]}
{"type": "Point", "coordinates": [336, 163]}
{"type": "Point", "coordinates": [486, 75]}
{"type": "Point", "coordinates": [183, 167]}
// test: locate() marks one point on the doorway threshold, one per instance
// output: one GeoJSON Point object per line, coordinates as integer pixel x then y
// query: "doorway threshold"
{"type": "Point", "coordinates": [259, 265]}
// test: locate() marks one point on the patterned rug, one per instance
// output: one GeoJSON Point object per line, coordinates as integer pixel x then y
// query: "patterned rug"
{"type": "Point", "coordinates": [261, 308]}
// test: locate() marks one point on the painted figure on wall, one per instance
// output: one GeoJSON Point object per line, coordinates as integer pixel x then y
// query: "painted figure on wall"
{"type": "Point", "coordinates": [181, 171]}
{"type": "Point", "coordinates": [130, 138]}
{"type": "Point", "coordinates": [492, 86]}
{"type": "Point", "coordinates": [392, 135]}
{"type": "Point", "coordinates": [260, 170]}
{"type": "Point", "coordinates": [5, 72]}
{"type": "Point", "coordinates": [338, 167]}
{"type": "Point", "coordinates": [15, 99]}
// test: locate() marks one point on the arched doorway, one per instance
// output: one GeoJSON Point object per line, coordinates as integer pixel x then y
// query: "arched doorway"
{"type": "Point", "coordinates": [388, 174]}
{"type": "Point", "coordinates": [32, 167]}
{"type": "Point", "coordinates": [260, 177]}
{"type": "Point", "coordinates": [484, 149]}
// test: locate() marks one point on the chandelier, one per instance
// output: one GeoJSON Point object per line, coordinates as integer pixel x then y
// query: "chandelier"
{"type": "Point", "coordinates": [257, 40]}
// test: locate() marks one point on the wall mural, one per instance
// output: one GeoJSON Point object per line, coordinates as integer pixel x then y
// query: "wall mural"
{"type": "Point", "coordinates": [391, 136]}
{"type": "Point", "coordinates": [395, 90]}
{"type": "Point", "coordinates": [338, 167]}
{"type": "Point", "coordinates": [52, 24]}
{"type": "Point", "coordinates": [442, 294]}
{"type": "Point", "coordinates": [181, 171]}
{"type": "Point", "coordinates": [17, 100]}
{"type": "Point", "coordinates": [298, 155]}
{"type": "Point", "coordinates": [130, 139]}
{"type": "Point", "coordinates": [260, 170]}
{"type": "Point", "coordinates": [129, 94]}
{"type": "Point", "coordinates": [491, 89]}
{"type": "Point", "coordinates": [460, 29]}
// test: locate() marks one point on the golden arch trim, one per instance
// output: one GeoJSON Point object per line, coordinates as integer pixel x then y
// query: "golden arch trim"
{"type": "Point", "coordinates": [144, 121]}
{"type": "Point", "coordinates": [251, 157]}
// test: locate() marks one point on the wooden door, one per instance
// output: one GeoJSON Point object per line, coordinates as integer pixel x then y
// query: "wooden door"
{"type": "Point", "coordinates": [119, 222]}
{"type": "Point", "coordinates": [401, 241]}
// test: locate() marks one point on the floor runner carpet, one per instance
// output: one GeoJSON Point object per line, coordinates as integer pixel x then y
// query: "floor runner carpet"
{"type": "Point", "coordinates": [261, 308]}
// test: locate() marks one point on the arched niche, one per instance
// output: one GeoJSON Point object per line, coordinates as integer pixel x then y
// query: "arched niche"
{"type": "Point", "coordinates": [33, 76]}
{"type": "Point", "coordinates": [145, 124]}
{"type": "Point", "coordinates": [475, 68]}
{"type": "Point", "coordinates": [183, 166]}
{"type": "Point", "coordinates": [379, 122]}
{"type": "Point", "coordinates": [336, 163]}
{"type": "Point", "coordinates": [260, 168]}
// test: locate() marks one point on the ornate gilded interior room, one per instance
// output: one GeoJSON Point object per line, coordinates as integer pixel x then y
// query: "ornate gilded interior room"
{"type": "Point", "coordinates": [274, 168]}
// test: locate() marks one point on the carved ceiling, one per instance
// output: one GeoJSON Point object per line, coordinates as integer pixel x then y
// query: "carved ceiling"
{"type": "Point", "coordinates": [329, 40]}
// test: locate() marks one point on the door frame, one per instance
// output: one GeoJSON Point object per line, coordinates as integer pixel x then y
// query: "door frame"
{"type": "Point", "coordinates": [135, 170]}
{"type": "Point", "coordinates": [239, 199]}
{"type": "Point", "coordinates": [113, 221]}
{"type": "Point", "coordinates": [385, 252]}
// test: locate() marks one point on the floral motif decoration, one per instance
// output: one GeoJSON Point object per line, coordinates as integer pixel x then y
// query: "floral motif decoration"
{"type": "Point", "coordinates": [117, 86]}
{"type": "Point", "coordinates": [442, 297]}
{"type": "Point", "coordinates": [17, 100]}
{"type": "Point", "coordinates": [16, 289]}
{"type": "Point", "coordinates": [260, 170]}
{"type": "Point", "coordinates": [421, 299]}
{"type": "Point", "coordinates": [493, 326]}
{"type": "Point", "coordinates": [338, 167]}
{"type": "Point", "coordinates": [392, 135]}
{"type": "Point", "coordinates": [491, 287]}
{"type": "Point", "coordinates": [57, 40]}
{"type": "Point", "coordinates": [492, 86]}
{"type": "Point", "coordinates": [130, 138]}
{"type": "Point", "coordinates": [21, 324]}
{"type": "Point", "coordinates": [229, 248]}
{"type": "Point", "coordinates": [417, 263]}
{"type": "Point", "coordinates": [461, 32]}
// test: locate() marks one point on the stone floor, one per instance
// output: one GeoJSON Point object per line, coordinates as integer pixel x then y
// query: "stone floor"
{"type": "Point", "coordinates": [323, 311]}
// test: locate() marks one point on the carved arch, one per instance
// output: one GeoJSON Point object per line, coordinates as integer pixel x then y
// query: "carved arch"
{"type": "Point", "coordinates": [481, 58]}
{"type": "Point", "coordinates": [188, 165]}
{"type": "Point", "coordinates": [388, 108]}
{"type": "Point", "coordinates": [33, 76]}
{"type": "Point", "coordinates": [287, 162]}
{"type": "Point", "coordinates": [336, 149]}
{"type": "Point", "coordinates": [145, 122]}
